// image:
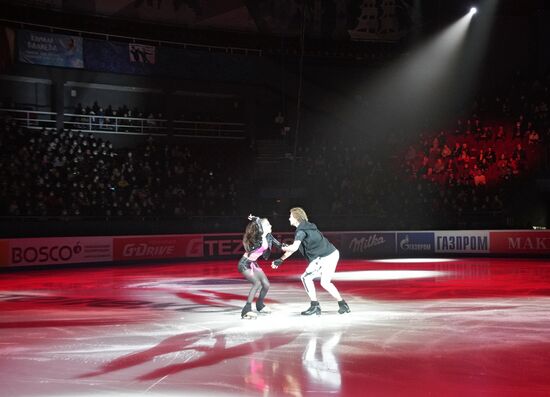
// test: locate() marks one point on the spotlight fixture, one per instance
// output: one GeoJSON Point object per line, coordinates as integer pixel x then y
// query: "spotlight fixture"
{"type": "Point", "coordinates": [473, 10]}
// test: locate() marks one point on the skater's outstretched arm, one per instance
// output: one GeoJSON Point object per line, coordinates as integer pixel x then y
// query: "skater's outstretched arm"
{"type": "Point", "coordinates": [292, 248]}
{"type": "Point", "coordinates": [288, 250]}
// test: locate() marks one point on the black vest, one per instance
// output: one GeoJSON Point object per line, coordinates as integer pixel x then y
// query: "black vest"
{"type": "Point", "coordinates": [314, 244]}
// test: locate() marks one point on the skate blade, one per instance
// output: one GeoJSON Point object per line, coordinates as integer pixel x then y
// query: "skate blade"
{"type": "Point", "coordinates": [250, 316]}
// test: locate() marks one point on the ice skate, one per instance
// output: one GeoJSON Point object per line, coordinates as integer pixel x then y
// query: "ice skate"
{"type": "Point", "coordinates": [265, 310]}
{"type": "Point", "coordinates": [343, 307]}
{"type": "Point", "coordinates": [247, 312]}
{"type": "Point", "coordinates": [262, 309]}
{"type": "Point", "coordinates": [249, 316]}
{"type": "Point", "coordinates": [314, 308]}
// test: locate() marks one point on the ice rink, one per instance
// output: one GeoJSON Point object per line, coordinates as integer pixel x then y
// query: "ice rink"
{"type": "Point", "coordinates": [423, 327]}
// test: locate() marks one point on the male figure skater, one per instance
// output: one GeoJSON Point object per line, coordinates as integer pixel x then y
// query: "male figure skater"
{"type": "Point", "coordinates": [322, 258]}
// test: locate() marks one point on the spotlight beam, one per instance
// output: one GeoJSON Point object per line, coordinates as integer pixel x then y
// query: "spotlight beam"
{"type": "Point", "coordinates": [426, 87]}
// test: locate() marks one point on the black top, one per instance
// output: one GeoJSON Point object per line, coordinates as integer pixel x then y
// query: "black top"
{"type": "Point", "coordinates": [271, 241]}
{"type": "Point", "coordinates": [314, 244]}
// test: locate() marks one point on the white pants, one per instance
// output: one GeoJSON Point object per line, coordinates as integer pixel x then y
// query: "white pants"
{"type": "Point", "coordinates": [321, 267]}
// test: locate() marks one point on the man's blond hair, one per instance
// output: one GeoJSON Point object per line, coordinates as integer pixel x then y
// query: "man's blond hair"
{"type": "Point", "coordinates": [299, 214]}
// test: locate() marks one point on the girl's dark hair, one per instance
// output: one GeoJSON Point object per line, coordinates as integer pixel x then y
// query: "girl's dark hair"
{"type": "Point", "coordinates": [252, 233]}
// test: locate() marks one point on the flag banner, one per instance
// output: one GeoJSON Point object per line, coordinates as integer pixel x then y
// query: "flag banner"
{"type": "Point", "coordinates": [142, 53]}
{"type": "Point", "coordinates": [50, 49]}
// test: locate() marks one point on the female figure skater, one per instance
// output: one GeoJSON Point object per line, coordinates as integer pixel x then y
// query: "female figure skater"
{"type": "Point", "coordinates": [257, 242]}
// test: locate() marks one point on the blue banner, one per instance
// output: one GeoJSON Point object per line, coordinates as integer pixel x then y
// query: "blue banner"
{"type": "Point", "coordinates": [50, 49]}
{"type": "Point", "coordinates": [415, 243]}
{"type": "Point", "coordinates": [107, 56]}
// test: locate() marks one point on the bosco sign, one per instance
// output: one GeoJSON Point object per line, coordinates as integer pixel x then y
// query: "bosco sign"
{"type": "Point", "coordinates": [45, 254]}
{"type": "Point", "coordinates": [59, 250]}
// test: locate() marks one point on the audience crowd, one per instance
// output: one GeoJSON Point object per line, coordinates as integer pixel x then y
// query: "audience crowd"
{"type": "Point", "coordinates": [122, 119]}
{"type": "Point", "coordinates": [473, 167]}
{"type": "Point", "coordinates": [126, 119]}
{"type": "Point", "coordinates": [63, 173]}
{"type": "Point", "coordinates": [482, 167]}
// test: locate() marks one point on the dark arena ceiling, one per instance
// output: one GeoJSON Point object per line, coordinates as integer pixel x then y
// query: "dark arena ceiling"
{"type": "Point", "coordinates": [330, 20]}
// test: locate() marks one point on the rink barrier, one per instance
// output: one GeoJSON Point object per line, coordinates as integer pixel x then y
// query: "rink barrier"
{"type": "Point", "coordinates": [368, 244]}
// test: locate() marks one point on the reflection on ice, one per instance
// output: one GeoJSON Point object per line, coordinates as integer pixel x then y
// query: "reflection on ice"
{"type": "Point", "coordinates": [322, 367]}
{"type": "Point", "coordinates": [387, 275]}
